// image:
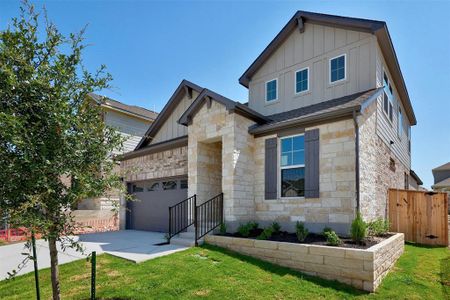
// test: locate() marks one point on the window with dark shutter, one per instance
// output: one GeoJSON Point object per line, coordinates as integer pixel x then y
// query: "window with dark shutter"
{"type": "Point", "coordinates": [270, 169]}
{"type": "Point", "coordinates": [312, 163]}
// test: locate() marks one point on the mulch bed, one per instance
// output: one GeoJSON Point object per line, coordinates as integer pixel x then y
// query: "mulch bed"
{"type": "Point", "coordinates": [313, 239]}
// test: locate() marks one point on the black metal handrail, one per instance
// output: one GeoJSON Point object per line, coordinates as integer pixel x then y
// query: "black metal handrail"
{"type": "Point", "coordinates": [208, 216]}
{"type": "Point", "coordinates": [181, 216]}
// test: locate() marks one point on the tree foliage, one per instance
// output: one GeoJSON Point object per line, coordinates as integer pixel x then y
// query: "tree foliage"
{"type": "Point", "coordinates": [55, 150]}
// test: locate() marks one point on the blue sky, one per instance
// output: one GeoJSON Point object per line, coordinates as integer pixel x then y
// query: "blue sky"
{"type": "Point", "coordinates": [149, 47]}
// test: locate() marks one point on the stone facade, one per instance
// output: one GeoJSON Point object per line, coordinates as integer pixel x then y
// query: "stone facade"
{"type": "Point", "coordinates": [363, 269]}
{"type": "Point", "coordinates": [336, 205]}
{"type": "Point", "coordinates": [167, 163]}
{"type": "Point", "coordinates": [213, 124]}
{"type": "Point", "coordinates": [380, 168]}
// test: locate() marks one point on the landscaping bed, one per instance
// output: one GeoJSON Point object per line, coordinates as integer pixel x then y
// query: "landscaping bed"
{"type": "Point", "coordinates": [312, 238]}
{"type": "Point", "coordinates": [360, 268]}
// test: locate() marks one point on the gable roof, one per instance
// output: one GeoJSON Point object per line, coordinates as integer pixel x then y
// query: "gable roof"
{"type": "Point", "coordinates": [231, 105]}
{"type": "Point", "coordinates": [137, 111]}
{"type": "Point", "coordinates": [444, 167]}
{"type": "Point", "coordinates": [378, 28]}
{"type": "Point", "coordinates": [331, 109]}
{"type": "Point", "coordinates": [185, 87]}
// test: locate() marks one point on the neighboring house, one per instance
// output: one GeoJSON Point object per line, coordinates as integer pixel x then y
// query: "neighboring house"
{"type": "Point", "coordinates": [441, 176]}
{"type": "Point", "coordinates": [325, 133]}
{"type": "Point", "coordinates": [131, 122]}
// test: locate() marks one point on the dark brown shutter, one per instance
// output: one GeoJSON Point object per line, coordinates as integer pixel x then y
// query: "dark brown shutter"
{"type": "Point", "coordinates": [312, 163]}
{"type": "Point", "coordinates": [270, 169]}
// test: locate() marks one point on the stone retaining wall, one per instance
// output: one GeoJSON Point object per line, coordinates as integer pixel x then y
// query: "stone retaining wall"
{"type": "Point", "coordinates": [363, 269]}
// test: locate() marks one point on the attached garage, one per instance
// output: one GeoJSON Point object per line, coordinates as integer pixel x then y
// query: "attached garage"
{"type": "Point", "coordinates": [150, 210]}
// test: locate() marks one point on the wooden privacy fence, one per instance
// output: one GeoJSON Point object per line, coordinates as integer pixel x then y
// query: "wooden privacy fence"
{"type": "Point", "coordinates": [420, 215]}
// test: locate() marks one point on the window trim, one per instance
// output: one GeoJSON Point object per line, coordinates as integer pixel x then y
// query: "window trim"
{"type": "Point", "coordinates": [276, 90]}
{"type": "Point", "coordinates": [280, 168]}
{"type": "Point", "coordinates": [307, 81]}
{"type": "Point", "coordinates": [345, 69]}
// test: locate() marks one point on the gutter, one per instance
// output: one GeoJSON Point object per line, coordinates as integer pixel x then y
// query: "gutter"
{"type": "Point", "coordinates": [357, 177]}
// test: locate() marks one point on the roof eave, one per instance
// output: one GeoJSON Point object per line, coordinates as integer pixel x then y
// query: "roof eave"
{"type": "Point", "coordinates": [304, 121]}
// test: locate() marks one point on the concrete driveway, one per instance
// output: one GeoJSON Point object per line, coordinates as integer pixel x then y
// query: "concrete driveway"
{"type": "Point", "coordinates": [137, 246]}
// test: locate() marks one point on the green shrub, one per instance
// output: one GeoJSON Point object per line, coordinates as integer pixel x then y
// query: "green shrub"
{"type": "Point", "coordinates": [379, 227]}
{"type": "Point", "coordinates": [326, 229]}
{"type": "Point", "coordinates": [301, 231]}
{"type": "Point", "coordinates": [245, 229]}
{"type": "Point", "coordinates": [358, 229]}
{"type": "Point", "coordinates": [276, 227]}
{"type": "Point", "coordinates": [267, 233]}
{"type": "Point", "coordinates": [223, 228]}
{"type": "Point", "coordinates": [332, 238]}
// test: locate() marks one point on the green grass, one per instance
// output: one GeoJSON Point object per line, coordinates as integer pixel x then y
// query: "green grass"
{"type": "Point", "coordinates": [214, 273]}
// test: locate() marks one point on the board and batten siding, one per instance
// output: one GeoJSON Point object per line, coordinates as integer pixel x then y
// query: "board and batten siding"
{"type": "Point", "coordinates": [171, 129]}
{"type": "Point", "coordinates": [386, 129]}
{"type": "Point", "coordinates": [313, 49]}
{"type": "Point", "coordinates": [130, 127]}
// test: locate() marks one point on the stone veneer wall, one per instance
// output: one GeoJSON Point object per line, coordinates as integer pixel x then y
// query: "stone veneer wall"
{"type": "Point", "coordinates": [336, 205]}
{"type": "Point", "coordinates": [363, 269]}
{"type": "Point", "coordinates": [173, 162]}
{"type": "Point", "coordinates": [210, 125]}
{"type": "Point", "coordinates": [375, 173]}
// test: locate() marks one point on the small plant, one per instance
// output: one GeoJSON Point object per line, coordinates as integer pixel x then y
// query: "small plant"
{"type": "Point", "coordinates": [326, 229]}
{"type": "Point", "coordinates": [245, 229]}
{"type": "Point", "coordinates": [223, 228]}
{"type": "Point", "coordinates": [379, 227]}
{"type": "Point", "coordinates": [276, 227]}
{"type": "Point", "coordinates": [332, 238]}
{"type": "Point", "coordinates": [266, 234]}
{"type": "Point", "coordinates": [301, 231]}
{"type": "Point", "coordinates": [358, 229]}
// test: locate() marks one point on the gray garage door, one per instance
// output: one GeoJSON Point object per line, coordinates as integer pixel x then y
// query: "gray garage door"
{"type": "Point", "coordinates": [150, 211]}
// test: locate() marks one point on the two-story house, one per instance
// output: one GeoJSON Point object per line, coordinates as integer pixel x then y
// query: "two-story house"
{"type": "Point", "coordinates": [131, 122]}
{"type": "Point", "coordinates": [325, 133]}
{"type": "Point", "coordinates": [441, 177]}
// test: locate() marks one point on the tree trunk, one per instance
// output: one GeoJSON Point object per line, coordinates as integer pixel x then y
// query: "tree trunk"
{"type": "Point", "coordinates": [54, 268]}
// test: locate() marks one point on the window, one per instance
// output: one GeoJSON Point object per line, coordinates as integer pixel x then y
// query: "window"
{"type": "Point", "coordinates": [301, 80]}
{"type": "Point", "coordinates": [406, 182]}
{"type": "Point", "coordinates": [392, 164]}
{"type": "Point", "coordinates": [408, 132]}
{"type": "Point", "coordinates": [399, 122]}
{"type": "Point", "coordinates": [169, 185]}
{"type": "Point", "coordinates": [292, 164]}
{"type": "Point", "coordinates": [153, 187]}
{"type": "Point", "coordinates": [271, 90]}
{"type": "Point", "coordinates": [388, 97]}
{"type": "Point", "coordinates": [337, 68]}
{"type": "Point", "coordinates": [183, 184]}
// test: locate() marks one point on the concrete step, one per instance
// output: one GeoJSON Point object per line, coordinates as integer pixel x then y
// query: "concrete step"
{"type": "Point", "coordinates": [188, 242]}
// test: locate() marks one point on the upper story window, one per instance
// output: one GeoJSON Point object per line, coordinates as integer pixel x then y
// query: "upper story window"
{"type": "Point", "coordinates": [302, 80]}
{"type": "Point", "coordinates": [272, 90]}
{"type": "Point", "coordinates": [399, 122]}
{"type": "Point", "coordinates": [408, 132]}
{"type": "Point", "coordinates": [388, 97]}
{"type": "Point", "coordinates": [292, 165]}
{"type": "Point", "coordinates": [337, 68]}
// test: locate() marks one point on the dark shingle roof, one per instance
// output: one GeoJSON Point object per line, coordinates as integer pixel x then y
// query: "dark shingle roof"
{"type": "Point", "coordinates": [316, 111]}
{"type": "Point", "coordinates": [133, 109]}
{"type": "Point", "coordinates": [337, 103]}
{"type": "Point", "coordinates": [443, 167]}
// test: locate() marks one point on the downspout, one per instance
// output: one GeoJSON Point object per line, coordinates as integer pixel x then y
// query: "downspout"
{"type": "Point", "coordinates": [355, 121]}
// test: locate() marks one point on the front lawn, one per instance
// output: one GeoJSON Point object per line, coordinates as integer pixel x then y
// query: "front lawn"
{"type": "Point", "coordinates": [214, 273]}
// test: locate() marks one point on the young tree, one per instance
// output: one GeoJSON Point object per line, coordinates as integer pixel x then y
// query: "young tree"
{"type": "Point", "coordinates": [54, 147]}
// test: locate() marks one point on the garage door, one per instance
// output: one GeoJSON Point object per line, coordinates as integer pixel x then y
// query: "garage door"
{"type": "Point", "coordinates": [150, 211]}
